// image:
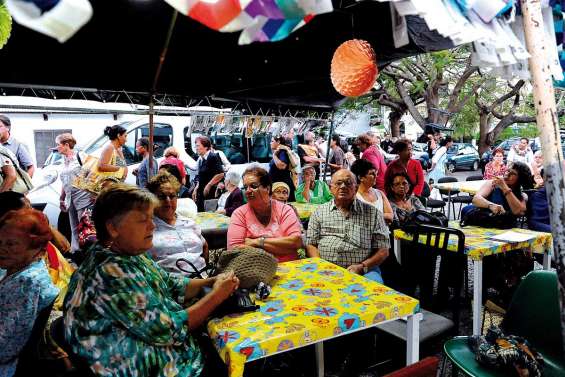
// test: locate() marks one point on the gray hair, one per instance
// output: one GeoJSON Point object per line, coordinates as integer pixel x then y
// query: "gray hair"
{"type": "Point", "coordinates": [232, 177]}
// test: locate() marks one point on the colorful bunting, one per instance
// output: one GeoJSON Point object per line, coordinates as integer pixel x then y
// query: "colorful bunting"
{"type": "Point", "coordinates": [259, 20]}
{"type": "Point", "coordinates": [59, 19]}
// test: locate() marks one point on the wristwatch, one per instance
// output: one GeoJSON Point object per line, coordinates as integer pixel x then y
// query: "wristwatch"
{"type": "Point", "coordinates": [365, 268]}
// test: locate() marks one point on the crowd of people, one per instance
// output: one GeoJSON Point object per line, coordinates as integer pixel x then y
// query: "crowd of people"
{"type": "Point", "coordinates": [129, 310]}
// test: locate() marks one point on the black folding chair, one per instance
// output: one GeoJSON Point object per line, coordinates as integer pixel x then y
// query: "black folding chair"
{"type": "Point", "coordinates": [452, 267]}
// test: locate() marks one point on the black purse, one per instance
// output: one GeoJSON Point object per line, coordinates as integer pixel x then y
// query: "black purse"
{"type": "Point", "coordinates": [483, 217]}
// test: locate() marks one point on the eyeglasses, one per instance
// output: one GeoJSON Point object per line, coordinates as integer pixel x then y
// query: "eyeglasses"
{"type": "Point", "coordinates": [347, 183]}
{"type": "Point", "coordinates": [164, 196]}
{"type": "Point", "coordinates": [401, 184]}
{"type": "Point", "coordinates": [253, 186]}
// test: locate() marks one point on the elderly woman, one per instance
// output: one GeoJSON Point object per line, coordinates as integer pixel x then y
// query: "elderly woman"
{"type": "Point", "coordinates": [399, 191]}
{"type": "Point", "coordinates": [312, 190]}
{"type": "Point", "coordinates": [264, 222]}
{"type": "Point", "coordinates": [505, 194]}
{"type": "Point", "coordinates": [234, 198]}
{"type": "Point", "coordinates": [124, 315]}
{"type": "Point", "coordinates": [366, 176]}
{"type": "Point", "coordinates": [112, 157]}
{"type": "Point", "coordinates": [25, 286]}
{"type": "Point", "coordinates": [537, 166]}
{"type": "Point", "coordinates": [172, 158]}
{"type": "Point", "coordinates": [175, 236]}
{"type": "Point", "coordinates": [496, 167]}
{"type": "Point", "coordinates": [73, 200]}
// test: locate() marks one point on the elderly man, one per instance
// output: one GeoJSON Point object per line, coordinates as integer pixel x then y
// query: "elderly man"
{"type": "Point", "coordinates": [18, 149]}
{"type": "Point", "coordinates": [348, 232]}
{"type": "Point", "coordinates": [372, 154]}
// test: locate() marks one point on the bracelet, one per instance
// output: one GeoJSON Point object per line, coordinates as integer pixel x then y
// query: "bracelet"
{"type": "Point", "coordinates": [261, 242]}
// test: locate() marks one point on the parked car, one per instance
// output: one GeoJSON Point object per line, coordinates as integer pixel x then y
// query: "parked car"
{"type": "Point", "coordinates": [462, 155]}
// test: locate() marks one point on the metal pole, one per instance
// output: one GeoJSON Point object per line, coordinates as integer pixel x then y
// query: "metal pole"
{"type": "Point", "coordinates": [151, 134]}
{"type": "Point", "coordinates": [548, 124]}
{"type": "Point", "coordinates": [330, 134]}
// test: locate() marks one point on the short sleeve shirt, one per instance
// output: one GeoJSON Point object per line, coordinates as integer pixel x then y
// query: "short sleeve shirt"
{"type": "Point", "coordinates": [244, 224]}
{"type": "Point", "coordinates": [171, 242]}
{"type": "Point", "coordinates": [5, 161]}
{"type": "Point", "coordinates": [20, 151]}
{"type": "Point", "coordinates": [347, 239]}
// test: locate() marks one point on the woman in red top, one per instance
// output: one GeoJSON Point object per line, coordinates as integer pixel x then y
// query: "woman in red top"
{"type": "Point", "coordinates": [172, 158]}
{"type": "Point", "coordinates": [405, 163]}
{"type": "Point", "coordinates": [495, 168]}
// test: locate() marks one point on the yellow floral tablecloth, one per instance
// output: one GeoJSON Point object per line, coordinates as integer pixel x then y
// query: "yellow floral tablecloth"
{"type": "Point", "coordinates": [478, 242]}
{"type": "Point", "coordinates": [211, 220]}
{"type": "Point", "coordinates": [304, 209]}
{"type": "Point", "coordinates": [470, 187]}
{"type": "Point", "coordinates": [311, 300]}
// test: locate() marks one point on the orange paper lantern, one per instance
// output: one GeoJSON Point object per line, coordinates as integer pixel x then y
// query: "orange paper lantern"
{"type": "Point", "coordinates": [354, 68]}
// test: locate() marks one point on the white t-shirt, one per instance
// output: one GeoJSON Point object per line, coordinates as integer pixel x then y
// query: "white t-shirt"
{"type": "Point", "coordinates": [378, 204]}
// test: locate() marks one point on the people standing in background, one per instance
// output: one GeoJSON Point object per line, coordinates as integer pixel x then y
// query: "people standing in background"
{"type": "Point", "coordinates": [520, 152]}
{"type": "Point", "coordinates": [141, 173]}
{"type": "Point", "coordinates": [18, 149]}
{"type": "Point", "coordinates": [112, 157]}
{"type": "Point", "coordinates": [437, 170]}
{"type": "Point", "coordinates": [309, 154]}
{"type": "Point", "coordinates": [386, 144]}
{"type": "Point", "coordinates": [172, 158]}
{"type": "Point", "coordinates": [537, 166]}
{"type": "Point", "coordinates": [405, 163]}
{"type": "Point", "coordinates": [73, 200]}
{"type": "Point", "coordinates": [7, 170]}
{"type": "Point", "coordinates": [337, 157]}
{"type": "Point", "coordinates": [374, 156]}
{"type": "Point", "coordinates": [225, 162]}
{"type": "Point", "coordinates": [279, 167]}
{"type": "Point", "coordinates": [210, 172]}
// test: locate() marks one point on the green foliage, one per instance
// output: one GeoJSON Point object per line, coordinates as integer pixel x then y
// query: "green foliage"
{"type": "Point", "coordinates": [5, 24]}
{"type": "Point", "coordinates": [528, 130]}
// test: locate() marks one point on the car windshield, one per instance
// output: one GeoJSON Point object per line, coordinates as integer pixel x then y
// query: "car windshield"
{"type": "Point", "coordinates": [54, 158]}
{"type": "Point", "coordinates": [453, 149]}
{"type": "Point", "coordinates": [237, 148]}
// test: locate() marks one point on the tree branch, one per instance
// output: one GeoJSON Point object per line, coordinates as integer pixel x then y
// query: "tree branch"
{"type": "Point", "coordinates": [410, 105]}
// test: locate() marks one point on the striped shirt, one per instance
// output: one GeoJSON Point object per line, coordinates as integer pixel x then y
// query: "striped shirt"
{"type": "Point", "coordinates": [347, 240]}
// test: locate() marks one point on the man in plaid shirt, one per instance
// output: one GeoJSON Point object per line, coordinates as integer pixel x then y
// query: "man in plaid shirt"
{"type": "Point", "coordinates": [348, 232]}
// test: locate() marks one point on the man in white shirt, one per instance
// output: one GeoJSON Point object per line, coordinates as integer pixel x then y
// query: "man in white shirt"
{"type": "Point", "coordinates": [521, 152]}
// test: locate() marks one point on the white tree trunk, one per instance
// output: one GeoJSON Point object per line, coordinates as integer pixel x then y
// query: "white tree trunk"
{"type": "Point", "coordinates": [546, 117]}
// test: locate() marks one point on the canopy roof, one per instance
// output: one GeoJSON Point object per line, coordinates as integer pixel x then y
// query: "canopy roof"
{"type": "Point", "coordinates": [119, 50]}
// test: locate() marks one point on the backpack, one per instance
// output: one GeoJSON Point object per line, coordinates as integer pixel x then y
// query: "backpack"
{"type": "Point", "coordinates": [23, 181]}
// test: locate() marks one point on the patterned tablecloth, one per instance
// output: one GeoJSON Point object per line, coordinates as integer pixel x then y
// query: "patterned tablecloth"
{"type": "Point", "coordinates": [210, 220]}
{"type": "Point", "coordinates": [312, 300]}
{"type": "Point", "coordinates": [304, 209]}
{"type": "Point", "coordinates": [470, 187]}
{"type": "Point", "coordinates": [478, 242]}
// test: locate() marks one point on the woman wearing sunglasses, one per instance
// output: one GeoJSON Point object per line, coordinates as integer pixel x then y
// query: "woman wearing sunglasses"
{"type": "Point", "coordinates": [175, 236]}
{"type": "Point", "coordinates": [264, 222]}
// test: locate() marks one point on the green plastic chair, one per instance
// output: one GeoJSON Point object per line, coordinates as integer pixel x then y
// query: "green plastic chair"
{"type": "Point", "coordinates": [534, 314]}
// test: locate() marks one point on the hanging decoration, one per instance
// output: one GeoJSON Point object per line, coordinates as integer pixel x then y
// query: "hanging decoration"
{"type": "Point", "coordinates": [59, 19]}
{"type": "Point", "coordinates": [259, 20]}
{"type": "Point", "coordinates": [5, 25]}
{"type": "Point", "coordinates": [354, 68]}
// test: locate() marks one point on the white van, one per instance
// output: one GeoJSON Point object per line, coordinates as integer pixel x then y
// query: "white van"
{"type": "Point", "coordinates": [169, 131]}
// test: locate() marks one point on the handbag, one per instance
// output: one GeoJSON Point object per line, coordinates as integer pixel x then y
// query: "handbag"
{"type": "Point", "coordinates": [483, 217]}
{"type": "Point", "coordinates": [23, 181]}
{"type": "Point", "coordinates": [89, 178]}
{"type": "Point", "coordinates": [239, 302]}
{"type": "Point", "coordinates": [421, 217]}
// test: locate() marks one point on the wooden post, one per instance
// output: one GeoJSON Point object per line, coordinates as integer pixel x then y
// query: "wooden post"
{"type": "Point", "coordinates": [548, 124]}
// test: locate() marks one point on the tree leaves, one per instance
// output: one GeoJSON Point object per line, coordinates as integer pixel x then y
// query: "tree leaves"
{"type": "Point", "coordinates": [5, 24]}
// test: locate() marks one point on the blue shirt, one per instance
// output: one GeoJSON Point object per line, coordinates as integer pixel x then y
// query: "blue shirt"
{"type": "Point", "coordinates": [23, 296]}
{"type": "Point", "coordinates": [143, 172]}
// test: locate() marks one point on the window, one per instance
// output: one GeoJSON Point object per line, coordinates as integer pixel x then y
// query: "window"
{"type": "Point", "coordinates": [162, 139]}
